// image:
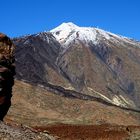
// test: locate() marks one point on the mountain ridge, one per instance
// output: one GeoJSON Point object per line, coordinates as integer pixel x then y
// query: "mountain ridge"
{"type": "Point", "coordinates": [90, 33]}
{"type": "Point", "coordinates": [74, 25]}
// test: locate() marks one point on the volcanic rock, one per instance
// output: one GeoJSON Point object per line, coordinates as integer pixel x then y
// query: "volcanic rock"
{"type": "Point", "coordinates": [7, 71]}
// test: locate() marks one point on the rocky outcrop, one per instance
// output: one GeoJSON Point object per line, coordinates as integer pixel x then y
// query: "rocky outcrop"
{"type": "Point", "coordinates": [7, 72]}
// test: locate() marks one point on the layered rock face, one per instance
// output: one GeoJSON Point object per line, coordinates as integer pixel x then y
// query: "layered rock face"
{"type": "Point", "coordinates": [7, 72]}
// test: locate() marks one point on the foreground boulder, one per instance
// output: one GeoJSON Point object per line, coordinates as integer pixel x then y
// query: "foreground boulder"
{"type": "Point", "coordinates": [7, 72]}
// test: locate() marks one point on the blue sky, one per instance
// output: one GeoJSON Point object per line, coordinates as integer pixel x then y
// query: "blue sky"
{"type": "Point", "coordinates": [20, 17]}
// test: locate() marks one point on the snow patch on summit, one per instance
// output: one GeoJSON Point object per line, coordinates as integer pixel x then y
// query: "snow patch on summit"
{"type": "Point", "coordinates": [67, 32]}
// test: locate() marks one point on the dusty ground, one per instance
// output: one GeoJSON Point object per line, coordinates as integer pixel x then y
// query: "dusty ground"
{"type": "Point", "coordinates": [93, 132]}
{"type": "Point", "coordinates": [40, 107]}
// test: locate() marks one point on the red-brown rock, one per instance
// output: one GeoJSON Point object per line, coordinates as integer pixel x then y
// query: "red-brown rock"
{"type": "Point", "coordinates": [7, 71]}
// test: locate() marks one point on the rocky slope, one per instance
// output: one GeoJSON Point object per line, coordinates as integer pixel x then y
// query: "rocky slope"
{"type": "Point", "coordinates": [81, 60]}
{"type": "Point", "coordinates": [40, 107]}
{"type": "Point", "coordinates": [8, 132]}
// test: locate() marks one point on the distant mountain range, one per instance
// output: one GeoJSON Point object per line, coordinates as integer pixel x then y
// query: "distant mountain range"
{"type": "Point", "coordinates": [82, 63]}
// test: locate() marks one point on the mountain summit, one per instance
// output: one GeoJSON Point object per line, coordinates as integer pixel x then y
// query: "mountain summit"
{"type": "Point", "coordinates": [67, 32]}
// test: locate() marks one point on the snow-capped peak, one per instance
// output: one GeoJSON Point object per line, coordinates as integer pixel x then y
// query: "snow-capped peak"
{"type": "Point", "coordinates": [65, 26]}
{"type": "Point", "coordinates": [68, 32]}
{"type": "Point", "coordinates": [63, 31]}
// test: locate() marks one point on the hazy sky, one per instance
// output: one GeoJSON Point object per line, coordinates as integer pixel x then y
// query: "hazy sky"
{"type": "Point", "coordinates": [20, 17]}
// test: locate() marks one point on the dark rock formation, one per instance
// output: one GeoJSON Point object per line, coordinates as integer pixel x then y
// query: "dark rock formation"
{"type": "Point", "coordinates": [7, 71]}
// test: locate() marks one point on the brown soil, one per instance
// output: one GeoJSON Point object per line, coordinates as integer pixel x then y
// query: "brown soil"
{"type": "Point", "coordinates": [40, 107]}
{"type": "Point", "coordinates": [90, 132]}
